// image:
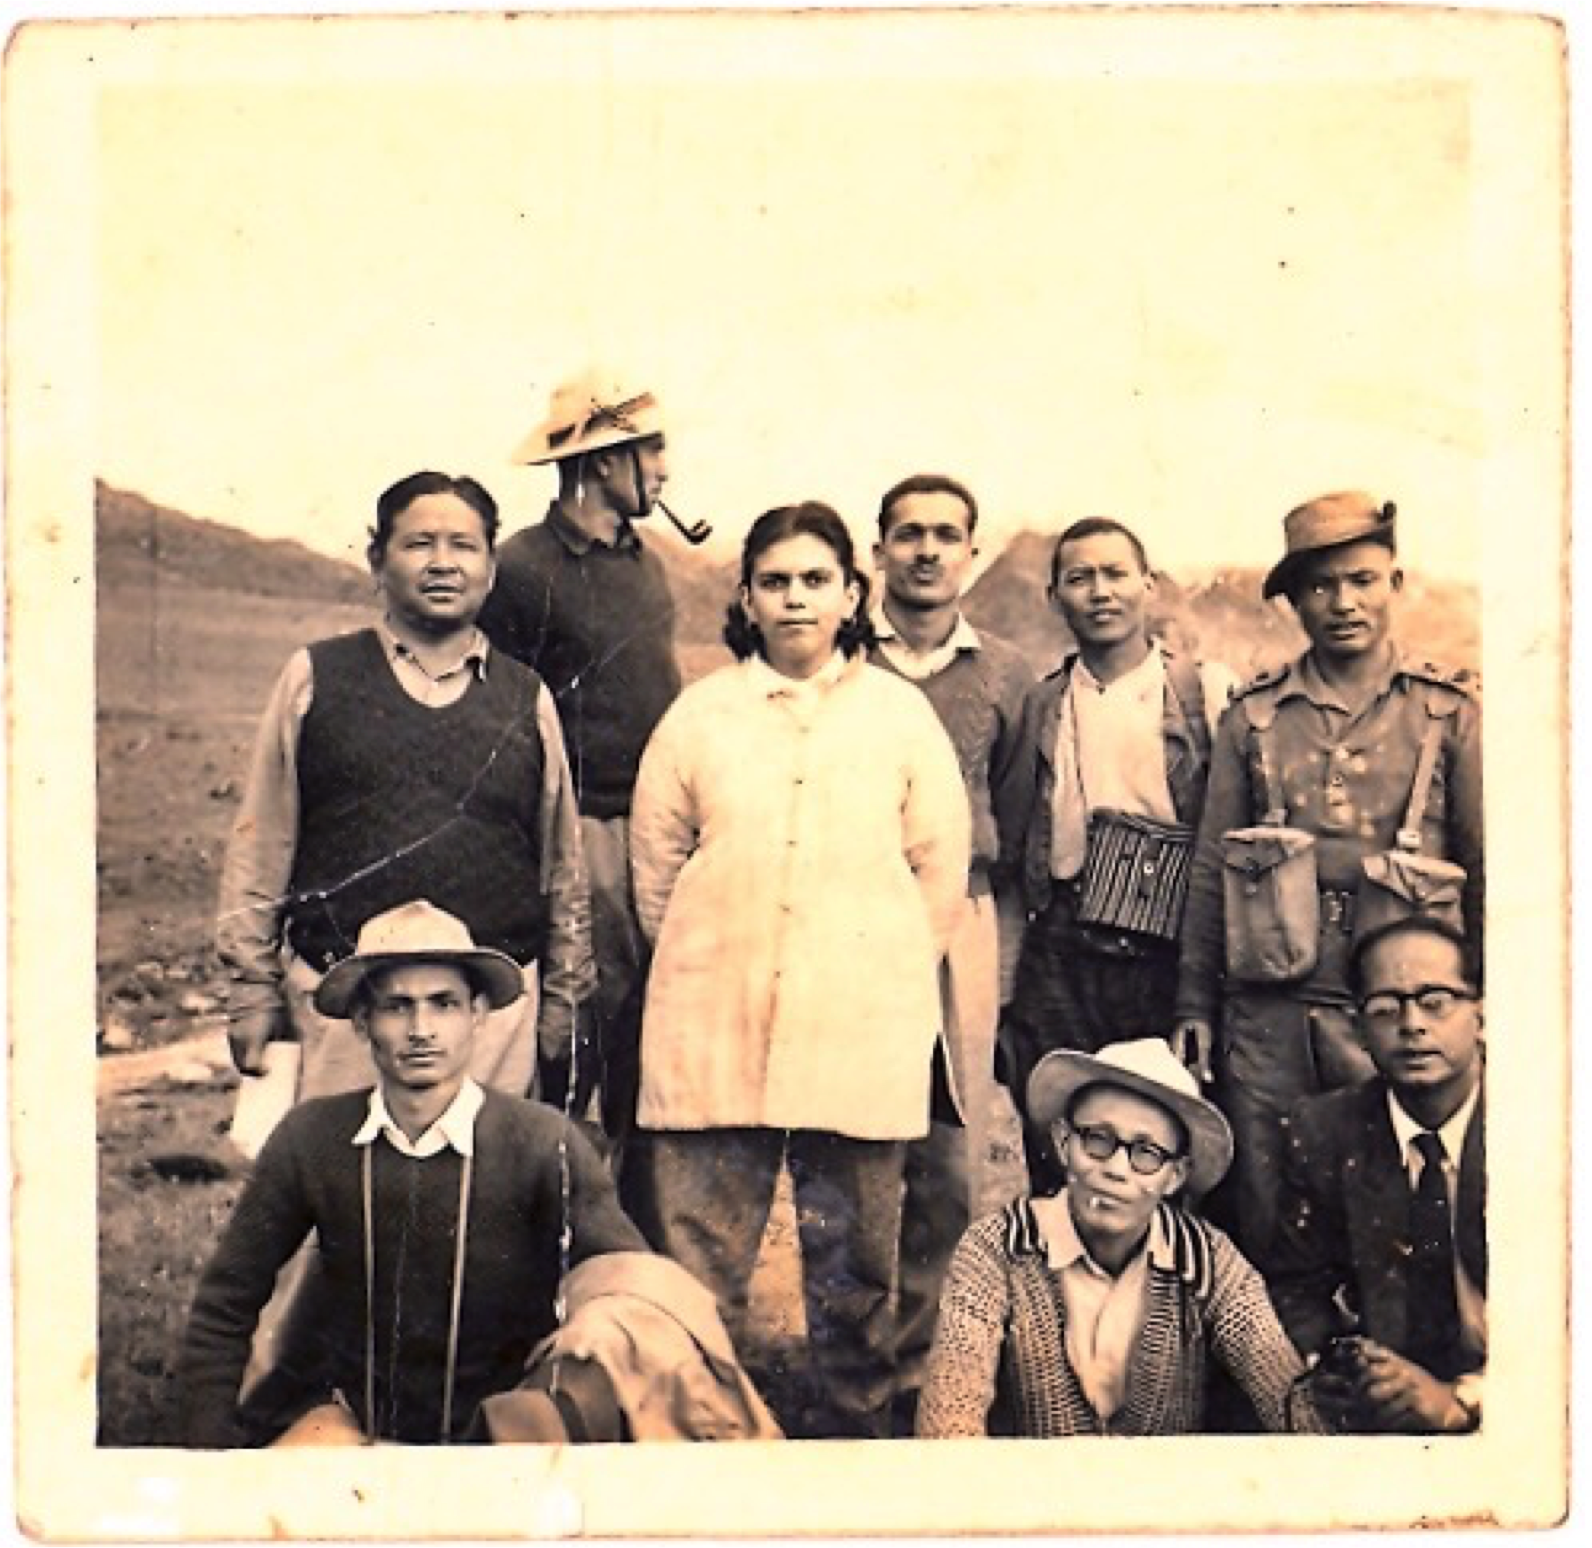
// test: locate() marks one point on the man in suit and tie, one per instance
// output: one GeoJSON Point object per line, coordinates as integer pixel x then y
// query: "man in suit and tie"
{"type": "Point", "coordinates": [1382, 1254]}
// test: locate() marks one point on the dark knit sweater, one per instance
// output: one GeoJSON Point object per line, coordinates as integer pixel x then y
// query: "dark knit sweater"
{"type": "Point", "coordinates": [979, 699]}
{"type": "Point", "coordinates": [401, 801]}
{"type": "Point", "coordinates": [598, 624]}
{"type": "Point", "coordinates": [308, 1177]}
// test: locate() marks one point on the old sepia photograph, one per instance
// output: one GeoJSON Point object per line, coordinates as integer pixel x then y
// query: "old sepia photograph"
{"type": "Point", "coordinates": [838, 734]}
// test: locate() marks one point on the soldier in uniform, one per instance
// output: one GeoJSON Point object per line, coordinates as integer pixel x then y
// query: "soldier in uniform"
{"type": "Point", "coordinates": [1330, 744]}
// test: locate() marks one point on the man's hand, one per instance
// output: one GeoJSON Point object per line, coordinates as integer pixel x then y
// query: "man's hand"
{"type": "Point", "coordinates": [1192, 1041]}
{"type": "Point", "coordinates": [1336, 1398]}
{"type": "Point", "coordinates": [1335, 1384]}
{"type": "Point", "coordinates": [568, 1053]}
{"type": "Point", "coordinates": [254, 1025]}
{"type": "Point", "coordinates": [1400, 1396]}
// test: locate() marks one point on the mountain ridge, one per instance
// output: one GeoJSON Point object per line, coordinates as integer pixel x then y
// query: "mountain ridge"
{"type": "Point", "coordinates": [1219, 614]}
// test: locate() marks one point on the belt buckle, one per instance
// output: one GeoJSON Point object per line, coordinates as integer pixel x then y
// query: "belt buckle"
{"type": "Point", "coordinates": [1337, 910]}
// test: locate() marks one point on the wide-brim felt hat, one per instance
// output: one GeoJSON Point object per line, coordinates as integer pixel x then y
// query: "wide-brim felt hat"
{"type": "Point", "coordinates": [418, 932]}
{"type": "Point", "coordinates": [1148, 1068]}
{"type": "Point", "coordinates": [1328, 522]}
{"type": "Point", "coordinates": [588, 413]}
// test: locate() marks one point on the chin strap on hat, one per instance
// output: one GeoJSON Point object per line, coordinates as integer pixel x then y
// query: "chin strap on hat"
{"type": "Point", "coordinates": [694, 532]}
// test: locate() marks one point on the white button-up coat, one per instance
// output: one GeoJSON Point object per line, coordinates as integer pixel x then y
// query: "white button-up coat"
{"type": "Point", "coordinates": [800, 856]}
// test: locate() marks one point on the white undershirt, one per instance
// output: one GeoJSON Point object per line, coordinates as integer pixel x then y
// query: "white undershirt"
{"type": "Point", "coordinates": [1109, 752]}
{"type": "Point", "coordinates": [1105, 1311]}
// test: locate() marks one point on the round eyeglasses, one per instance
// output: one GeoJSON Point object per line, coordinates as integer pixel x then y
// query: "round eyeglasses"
{"type": "Point", "coordinates": [1386, 1006]}
{"type": "Point", "coordinates": [1145, 1157]}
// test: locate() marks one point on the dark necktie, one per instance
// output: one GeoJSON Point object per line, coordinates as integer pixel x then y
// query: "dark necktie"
{"type": "Point", "coordinates": [1433, 1339]}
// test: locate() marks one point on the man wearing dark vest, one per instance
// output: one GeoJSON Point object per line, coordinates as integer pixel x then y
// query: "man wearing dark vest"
{"type": "Point", "coordinates": [585, 602]}
{"type": "Point", "coordinates": [1115, 751]}
{"type": "Point", "coordinates": [1380, 1271]}
{"type": "Point", "coordinates": [1331, 745]}
{"type": "Point", "coordinates": [407, 761]}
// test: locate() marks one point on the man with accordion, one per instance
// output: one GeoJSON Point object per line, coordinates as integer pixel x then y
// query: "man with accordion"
{"type": "Point", "coordinates": [1102, 805]}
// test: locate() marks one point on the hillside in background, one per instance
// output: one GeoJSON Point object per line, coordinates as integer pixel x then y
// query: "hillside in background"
{"type": "Point", "coordinates": [194, 621]}
{"type": "Point", "coordinates": [142, 546]}
{"type": "Point", "coordinates": [137, 542]}
{"type": "Point", "coordinates": [1218, 615]}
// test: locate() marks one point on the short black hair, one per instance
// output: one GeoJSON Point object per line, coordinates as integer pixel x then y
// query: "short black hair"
{"type": "Point", "coordinates": [927, 483]}
{"type": "Point", "coordinates": [811, 518]}
{"type": "Point", "coordinates": [397, 498]}
{"type": "Point", "coordinates": [1410, 924]}
{"type": "Point", "coordinates": [1096, 526]}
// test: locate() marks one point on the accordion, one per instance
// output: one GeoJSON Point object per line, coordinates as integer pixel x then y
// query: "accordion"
{"type": "Point", "coordinates": [1135, 874]}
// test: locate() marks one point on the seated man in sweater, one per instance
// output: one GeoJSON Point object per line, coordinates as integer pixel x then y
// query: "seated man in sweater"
{"type": "Point", "coordinates": [409, 760]}
{"type": "Point", "coordinates": [441, 1210]}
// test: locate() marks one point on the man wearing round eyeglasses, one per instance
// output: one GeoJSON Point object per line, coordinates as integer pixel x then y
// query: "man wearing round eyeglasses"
{"type": "Point", "coordinates": [1381, 1267]}
{"type": "Point", "coordinates": [1102, 1309]}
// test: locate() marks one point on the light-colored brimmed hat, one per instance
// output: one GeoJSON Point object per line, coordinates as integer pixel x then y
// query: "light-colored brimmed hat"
{"type": "Point", "coordinates": [1148, 1067]}
{"type": "Point", "coordinates": [592, 411]}
{"type": "Point", "coordinates": [1327, 522]}
{"type": "Point", "coordinates": [411, 933]}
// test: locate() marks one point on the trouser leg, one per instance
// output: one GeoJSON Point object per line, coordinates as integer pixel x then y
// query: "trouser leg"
{"type": "Point", "coordinates": [970, 992]}
{"type": "Point", "coordinates": [709, 1193]}
{"type": "Point", "coordinates": [848, 1216]}
{"type": "Point", "coordinates": [1273, 1051]}
{"type": "Point", "coordinates": [934, 1216]}
{"type": "Point", "coordinates": [621, 952]}
{"type": "Point", "coordinates": [1044, 1014]}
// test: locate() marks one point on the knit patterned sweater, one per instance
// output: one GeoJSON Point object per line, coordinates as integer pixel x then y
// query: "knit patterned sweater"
{"type": "Point", "coordinates": [1002, 1334]}
{"type": "Point", "coordinates": [309, 1177]}
{"type": "Point", "coordinates": [979, 698]}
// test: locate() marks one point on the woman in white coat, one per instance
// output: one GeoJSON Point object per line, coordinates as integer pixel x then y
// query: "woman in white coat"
{"type": "Point", "coordinates": [799, 845]}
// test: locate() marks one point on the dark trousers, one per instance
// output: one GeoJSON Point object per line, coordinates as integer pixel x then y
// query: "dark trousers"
{"type": "Point", "coordinates": [1078, 988]}
{"type": "Point", "coordinates": [707, 1200]}
{"type": "Point", "coordinates": [612, 1064]}
{"type": "Point", "coordinates": [1273, 1050]}
{"type": "Point", "coordinates": [935, 1212]}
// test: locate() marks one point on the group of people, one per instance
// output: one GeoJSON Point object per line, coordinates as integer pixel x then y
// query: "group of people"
{"type": "Point", "coordinates": [580, 961]}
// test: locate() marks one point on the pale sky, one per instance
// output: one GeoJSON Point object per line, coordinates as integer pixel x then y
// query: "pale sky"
{"type": "Point", "coordinates": [1187, 276]}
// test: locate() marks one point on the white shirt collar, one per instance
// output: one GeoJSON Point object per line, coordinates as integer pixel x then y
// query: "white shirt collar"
{"type": "Point", "coordinates": [776, 685]}
{"type": "Point", "coordinates": [963, 637]}
{"type": "Point", "coordinates": [918, 665]}
{"type": "Point", "coordinates": [1405, 1129]}
{"type": "Point", "coordinates": [455, 1128]}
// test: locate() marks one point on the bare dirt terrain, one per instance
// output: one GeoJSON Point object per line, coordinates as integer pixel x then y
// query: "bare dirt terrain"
{"type": "Point", "coordinates": [195, 621]}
